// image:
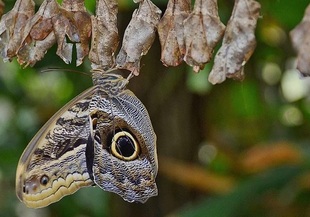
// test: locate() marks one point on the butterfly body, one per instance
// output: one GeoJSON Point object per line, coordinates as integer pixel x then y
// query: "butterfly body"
{"type": "Point", "coordinates": [102, 137]}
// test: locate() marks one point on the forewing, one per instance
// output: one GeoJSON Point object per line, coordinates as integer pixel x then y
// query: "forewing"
{"type": "Point", "coordinates": [54, 163]}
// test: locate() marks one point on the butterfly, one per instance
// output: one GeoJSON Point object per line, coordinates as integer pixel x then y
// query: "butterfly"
{"type": "Point", "coordinates": [103, 137]}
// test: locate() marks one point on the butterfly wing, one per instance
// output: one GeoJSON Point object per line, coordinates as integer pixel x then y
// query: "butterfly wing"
{"type": "Point", "coordinates": [54, 163]}
{"type": "Point", "coordinates": [104, 136]}
{"type": "Point", "coordinates": [125, 159]}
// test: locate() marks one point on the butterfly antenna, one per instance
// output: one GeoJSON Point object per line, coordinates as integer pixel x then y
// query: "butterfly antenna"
{"type": "Point", "coordinates": [63, 69]}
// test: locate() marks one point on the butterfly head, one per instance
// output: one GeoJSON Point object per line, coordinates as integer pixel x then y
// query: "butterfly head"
{"type": "Point", "coordinates": [110, 80]}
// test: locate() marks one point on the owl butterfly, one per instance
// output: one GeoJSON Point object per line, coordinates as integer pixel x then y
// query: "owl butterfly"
{"type": "Point", "coordinates": [102, 137]}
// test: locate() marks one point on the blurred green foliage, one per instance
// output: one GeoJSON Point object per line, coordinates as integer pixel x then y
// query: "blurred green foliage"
{"type": "Point", "coordinates": [271, 104]}
{"type": "Point", "coordinates": [239, 203]}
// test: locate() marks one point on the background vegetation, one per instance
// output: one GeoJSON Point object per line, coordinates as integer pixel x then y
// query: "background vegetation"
{"type": "Point", "coordinates": [234, 149]}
